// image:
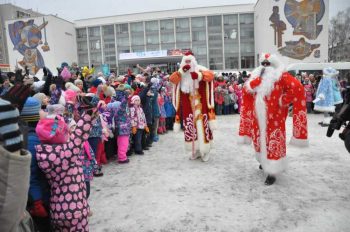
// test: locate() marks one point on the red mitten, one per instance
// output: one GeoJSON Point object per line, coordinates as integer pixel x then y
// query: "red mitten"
{"type": "Point", "coordinates": [186, 67]}
{"type": "Point", "coordinates": [255, 83]}
{"type": "Point", "coordinates": [194, 75]}
{"type": "Point", "coordinates": [38, 209]}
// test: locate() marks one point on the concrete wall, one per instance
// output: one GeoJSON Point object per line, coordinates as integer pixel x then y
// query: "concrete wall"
{"type": "Point", "coordinates": [264, 33]}
{"type": "Point", "coordinates": [61, 40]}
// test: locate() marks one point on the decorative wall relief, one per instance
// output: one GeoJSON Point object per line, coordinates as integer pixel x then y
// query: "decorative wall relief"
{"type": "Point", "coordinates": [298, 49]}
{"type": "Point", "coordinates": [304, 15]}
{"type": "Point", "coordinates": [278, 26]}
{"type": "Point", "coordinates": [26, 37]}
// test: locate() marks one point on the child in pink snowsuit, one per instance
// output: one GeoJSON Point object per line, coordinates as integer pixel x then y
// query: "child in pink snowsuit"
{"type": "Point", "coordinates": [122, 124]}
{"type": "Point", "coordinates": [63, 170]}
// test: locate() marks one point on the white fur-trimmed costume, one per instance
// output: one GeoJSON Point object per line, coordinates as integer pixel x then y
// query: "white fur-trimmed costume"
{"type": "Point", "coordinates": [194, 100]}
{"type": "Point", "coordinates": [265, 104]}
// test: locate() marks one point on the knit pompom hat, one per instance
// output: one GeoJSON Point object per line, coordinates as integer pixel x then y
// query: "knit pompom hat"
{"type": "Point", "coordinates": [9, 129]}
{"type": "Point", "coordinates": [31, 109]}
{"type": "Point", "coordinates": [71, 86]}
{"type": "Point", "coordinates": [134, 98]}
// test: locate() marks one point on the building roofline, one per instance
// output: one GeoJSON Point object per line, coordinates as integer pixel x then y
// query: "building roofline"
{"type": "Point", "coordinates": [162, 11]}
{"type": "Point", "coordinates": [10, 4]}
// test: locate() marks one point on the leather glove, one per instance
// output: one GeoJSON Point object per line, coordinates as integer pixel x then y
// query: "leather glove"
{"type": "Point", "coordinates": [194, 75]}
{"type": "Point", "coordinates": [186, 67]}
{"type": "Point", "coordinates": [134, 130]}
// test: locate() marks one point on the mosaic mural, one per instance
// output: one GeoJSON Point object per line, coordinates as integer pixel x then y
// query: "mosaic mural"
{"type": "Point", "coordinates": [26, 38]}
{"type": "Point", "coordinates": [304, 16]}
{"type": "Point", "coordinates": [278, 26]}
{"type": "Point", "coordinates": [298, 49]}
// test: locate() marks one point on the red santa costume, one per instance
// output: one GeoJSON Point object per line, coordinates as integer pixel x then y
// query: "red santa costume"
{"type": "Point", "coordinates": [266, 97]}
{"type": "Point", "coordinates": [193, 97]}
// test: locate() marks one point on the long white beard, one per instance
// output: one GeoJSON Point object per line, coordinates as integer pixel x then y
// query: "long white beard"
{"type": "Point", "coordinates": [269, 77]}
{"type": "Point", "coordinates": [187, 83]}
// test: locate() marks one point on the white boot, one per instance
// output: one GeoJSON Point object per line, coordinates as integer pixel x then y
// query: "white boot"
{"type": "Point", "coordinates": [205, 157]}
{"type": "Point", "coordinates": [196, 155]}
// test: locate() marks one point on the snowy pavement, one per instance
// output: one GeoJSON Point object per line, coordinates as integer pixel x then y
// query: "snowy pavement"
{"type": "Point", "coordinates": [165, 191]}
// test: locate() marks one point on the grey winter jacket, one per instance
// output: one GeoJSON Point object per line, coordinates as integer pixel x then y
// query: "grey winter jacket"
{"type": "Point", "coordinates": [14, 185]}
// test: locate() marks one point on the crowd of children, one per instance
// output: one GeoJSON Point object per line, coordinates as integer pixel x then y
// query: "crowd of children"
{"type": "Point", "coordinates": [75, 122]}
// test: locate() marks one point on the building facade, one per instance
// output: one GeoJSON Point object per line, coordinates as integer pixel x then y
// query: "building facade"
{"type": "Point", "coordinates": [10, 12]}
{"type": "Point", "coordinates": [222, 38]}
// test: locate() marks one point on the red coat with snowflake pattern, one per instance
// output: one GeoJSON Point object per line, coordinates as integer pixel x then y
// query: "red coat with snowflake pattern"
{"type": "Point", "coordinates": [263, 119]}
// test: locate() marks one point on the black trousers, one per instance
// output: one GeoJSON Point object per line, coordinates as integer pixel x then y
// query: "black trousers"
{"type": "Point", "coordinates": [138, 140]}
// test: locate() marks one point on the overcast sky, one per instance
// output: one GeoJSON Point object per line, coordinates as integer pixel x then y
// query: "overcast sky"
{"type": "Point", "coordinates": [81, 9]}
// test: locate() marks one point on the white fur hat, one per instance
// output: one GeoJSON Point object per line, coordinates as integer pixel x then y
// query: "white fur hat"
{"type": "Point", "coordinates": [330, 72]}
{"type": "Point", "coordinates": [70, 85]}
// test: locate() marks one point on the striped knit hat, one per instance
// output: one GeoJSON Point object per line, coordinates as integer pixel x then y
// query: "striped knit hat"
{"type": "Point", "coordinates": [31, 109]}
{"type": "Point", "coordinates": [10, 134]}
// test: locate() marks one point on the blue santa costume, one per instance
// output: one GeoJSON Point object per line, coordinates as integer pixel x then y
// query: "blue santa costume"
{"type": "Point", "coordinates": [328, 93]}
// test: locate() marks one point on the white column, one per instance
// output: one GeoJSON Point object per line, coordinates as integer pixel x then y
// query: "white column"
{"type": "Point", "coordinates": [239, 44]}
{"type": "Point", "coordinates": [223, 42]}
{"type": "Point", "coordinates": [88, 45]}
{"type": "Point", "coordinates": [116, 48]}
{"type": "Point", "coordinates": [206, 31]}
{"type": "Point", "coordinates": [102, 45]}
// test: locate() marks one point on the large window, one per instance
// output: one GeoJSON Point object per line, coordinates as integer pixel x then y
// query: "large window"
{"type": "Point", "coordinates": [167, 24]}
{"type": "Point", "coordinates": [247, 40]}
{"type": "Point", "coordinates": [136, 27]}
{"type": "Point", "coordinates": [152, 35]}
{"type": "Point", "coordinates": [109, 45]}
{"type": "Point", "coordinates": [198, 22]}
{"type": "Point", "coordinates": [94, 31]}
{"type": "Point", "coordinates": [152, 26]}
{"type": "Point", "coordinates": [122, 28]}
{"type": "Point", "coordinates": [137, 36]}
{"type": "Point", "coordinates": [231, 41]}
{"type": "Point", "coordinates": [182, 24]}
{"type": "Point", "coordinates": [82, 47]}
{"type": "Point", "coordinates": [183, 37]}
{"type": "Point", "coordinates": [167, 38]}
{"type": "Point", "coordinates": [199, 39]}
{"type": "Point", "coordinates": [81, 33]}
{"type": "Point", "coordinates": [123, 41]}
{"type": "Point", "coordinates": [215, 42]}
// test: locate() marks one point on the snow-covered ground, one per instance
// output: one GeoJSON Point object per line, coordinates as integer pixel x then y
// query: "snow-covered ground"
{"type": "Point", "coordinates": [165, 191]}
